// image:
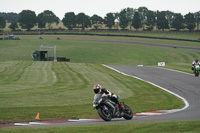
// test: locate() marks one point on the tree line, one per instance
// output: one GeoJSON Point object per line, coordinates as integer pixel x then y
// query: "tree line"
{"type": "Point", "coordinates": [128, 18]}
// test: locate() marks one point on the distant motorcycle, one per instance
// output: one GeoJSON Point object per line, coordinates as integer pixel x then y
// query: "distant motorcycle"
{"type": "Point", "coordinates": [107, 109]}
{"type": "Point", "coordinates": [196, 70]}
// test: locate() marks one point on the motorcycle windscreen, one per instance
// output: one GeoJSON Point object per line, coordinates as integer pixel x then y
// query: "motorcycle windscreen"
{"type": "Point", "coordinates": [97, 97]}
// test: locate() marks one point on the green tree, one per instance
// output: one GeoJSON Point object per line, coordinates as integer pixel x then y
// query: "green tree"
{"type": "Point", "coordinates": [49, 18]}
{"type": "Point", "coordinates": [109, 20]}
{"type": "Point", "coordinates": [41, 22]}
{"type": "Point", "coordinates": [136, 21]}
{"type": "Point", "coordinates": [162, 22]}
{"type": "Point", "coordinates": [123, 19]}
{"type": "Point", "coordinates": [2, 23]}
{"type": "Point", "coordinates": [190, 21]}
{"type": "Point", "coordinates": [13, 26]}
{"type": "Point", "coordinates": [97, 21]}
{"type": "Point", "coordinates": [129, 15]}
{"type": "Point", "coordinates": [169, 16]}
{"type": "Point", "coordinates": [143, 15]}
{"type": "Point", "coordinates": [27, 19]}
{"type": "Point", "coordinates": [83, 20]}
{"type": "Point", "coordinates": [10, 17]}
{"type": "Point", "coordinates": [151, 20]}
{"type": "Point", "coordinates": [69, 20]}
{"type": "Point", "coordinates": [116, 17]}
{"type": "Point", "coordinates": [178, 21]}
{"type": "Point", "coordinates": [197, 18]}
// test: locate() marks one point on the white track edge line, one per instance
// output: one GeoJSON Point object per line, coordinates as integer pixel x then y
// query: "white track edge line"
{"type": "Point", "coordinates": [21, 124]}
{"type": "Point", "coordinates": [168, 111]}
{"type": "Point", "coordinates": [38, 123]}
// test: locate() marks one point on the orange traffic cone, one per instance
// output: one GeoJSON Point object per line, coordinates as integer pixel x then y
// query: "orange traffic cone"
{"type": "Point", "coordinates": [38, 116]}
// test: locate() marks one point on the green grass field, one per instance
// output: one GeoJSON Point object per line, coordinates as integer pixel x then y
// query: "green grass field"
{"type": "Point", "coordinates": [137, 127]}
{"type": "Point", "coordinates": [60, 90]}
{"type": "Point", "coordinates": [104, 52]}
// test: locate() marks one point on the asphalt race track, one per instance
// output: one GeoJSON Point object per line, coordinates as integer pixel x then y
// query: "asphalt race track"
{"type": "Point", "coordinates": [181, 84]}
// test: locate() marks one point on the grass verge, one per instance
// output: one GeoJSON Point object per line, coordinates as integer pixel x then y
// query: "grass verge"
{"type": "Point", "coordinates": [136, 127]}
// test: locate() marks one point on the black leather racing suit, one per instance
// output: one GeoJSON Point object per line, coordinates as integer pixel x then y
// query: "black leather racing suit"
{"type": "Point", "coordinates": [112, 96]}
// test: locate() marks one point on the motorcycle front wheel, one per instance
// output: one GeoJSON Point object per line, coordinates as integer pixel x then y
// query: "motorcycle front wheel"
{"type": "Point", "coordinates": [196, 74]}
{"type": "Point", "coordinates": [128, 114]}
{"type": "Point", "coordinates": [104, 114]}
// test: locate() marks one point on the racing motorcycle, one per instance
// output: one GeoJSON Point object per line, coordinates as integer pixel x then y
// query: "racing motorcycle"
{"type": "Point", "coordinates": [196, 70]}
{"type": "Point", "coordinates": [108, 109]}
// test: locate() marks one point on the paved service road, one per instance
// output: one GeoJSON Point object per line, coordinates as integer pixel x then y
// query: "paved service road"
{"type": "Point", "coordinates": [183, 84]}
{"type": "Point", "coordinates": [139, 43]}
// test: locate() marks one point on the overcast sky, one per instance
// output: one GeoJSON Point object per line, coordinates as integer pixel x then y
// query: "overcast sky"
{"type": "Point", "coordinates": [99, 7]}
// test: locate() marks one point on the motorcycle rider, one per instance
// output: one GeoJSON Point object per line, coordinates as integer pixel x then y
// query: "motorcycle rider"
{"type": "Point", "coordinates": [195, 62]}
{"type": "Point", "coordinates": [99, 90]}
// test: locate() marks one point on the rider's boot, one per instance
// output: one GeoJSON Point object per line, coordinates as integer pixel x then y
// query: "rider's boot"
{"type": "Point", "coordinates": [121, 109]}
